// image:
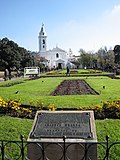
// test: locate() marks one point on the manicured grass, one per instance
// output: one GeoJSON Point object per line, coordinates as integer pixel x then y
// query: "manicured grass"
{"type": "Point", "coordinates": [11, 128]}
{"type": "Point", "coordinates": [40, 90]}
{"type": "Point", "coordinates": [110, 127]}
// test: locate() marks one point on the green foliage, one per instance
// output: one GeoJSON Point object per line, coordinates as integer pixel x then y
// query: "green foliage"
{"type": "Point", "coordinates": [87, 60]}
{"type": "Point", "coordinates": [107, 110]}
{"type": "Point", "coordinates": [14, 108]}
{"type": "Point", "coordinates": [105, 59]}
{"type": "Point", "coordinates": [112, 109]}
{"type": "Point", "coordinates": [11, 55]}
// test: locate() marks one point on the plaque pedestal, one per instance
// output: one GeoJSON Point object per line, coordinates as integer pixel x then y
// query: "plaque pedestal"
{"type": "Point", "coordinates": [47, 137]}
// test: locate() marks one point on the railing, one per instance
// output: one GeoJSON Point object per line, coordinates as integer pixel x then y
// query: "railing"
{"type": "Point", "coordinates": [18, 150]}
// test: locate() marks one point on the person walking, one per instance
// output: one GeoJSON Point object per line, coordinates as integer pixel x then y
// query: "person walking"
{"type": "Point", "coordinates": [6, 74]}
{"type": "Point", "coordinates": [68, 71]}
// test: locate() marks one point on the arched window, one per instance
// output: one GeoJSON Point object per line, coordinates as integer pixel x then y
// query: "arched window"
{"type": "Point", "coordinates": [57, 55]}
{"type": "Point", "coordinates": [43, 41]}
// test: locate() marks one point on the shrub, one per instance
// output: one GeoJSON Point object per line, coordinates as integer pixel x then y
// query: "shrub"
{"type": "Point", "coordinates": [91, 72]}
{"type": "Point", "coordinates": [14, 108]}
{"type": "Point", "coordinates": [107, 110]}
{"type": "Point", "coordinates": [112, 109]}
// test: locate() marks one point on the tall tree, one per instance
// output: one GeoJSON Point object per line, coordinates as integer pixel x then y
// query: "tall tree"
{"type": "Point", "coordinates": [11, 55]}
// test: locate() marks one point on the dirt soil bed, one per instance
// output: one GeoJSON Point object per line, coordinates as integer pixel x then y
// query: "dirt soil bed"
{"type": "Point", "coordinates": [73, 87]}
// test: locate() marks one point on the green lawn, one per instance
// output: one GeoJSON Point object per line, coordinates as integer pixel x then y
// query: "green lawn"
{"type": "Point", "coordinates": [11, 128]}
{"type": "Point", "coordinates": [40, 90]}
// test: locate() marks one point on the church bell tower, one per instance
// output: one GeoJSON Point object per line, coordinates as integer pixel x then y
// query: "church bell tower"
{"type": "Point", "coordinates": [42, 40]}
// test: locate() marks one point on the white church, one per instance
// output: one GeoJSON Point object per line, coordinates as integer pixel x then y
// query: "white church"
{"type": "Point", "coordinates": [55, 58]}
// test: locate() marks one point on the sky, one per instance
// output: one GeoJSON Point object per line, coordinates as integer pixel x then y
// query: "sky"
{"type": "Point", "coordinates": [75, 24]}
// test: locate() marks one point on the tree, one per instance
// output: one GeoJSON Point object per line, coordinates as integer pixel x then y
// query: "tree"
{"type": "Point", "coordinates": [9, 54]}
{"type": "Point", "coordinates": [105, 59]}
{"type": "Point", "coordinates": [87, 59]}
{"type": "Point", "coordinates": [117, 54]}
{"type": "Point", "coordinates": [82, 51]}
{"type": "Point", "coordinates": [13, 56]}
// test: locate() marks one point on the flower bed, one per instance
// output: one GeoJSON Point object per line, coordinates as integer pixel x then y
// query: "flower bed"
{"type": "Point", "coordinates": [15, 108]}
{"type": "Point", "coordinates": [107, 110]}
{"type": "Point", "coordinates": [73, 72]}
{"type": "Point", "coordinates": [53, 73]}
{"type": "Point", "coordinates": [73, 87]}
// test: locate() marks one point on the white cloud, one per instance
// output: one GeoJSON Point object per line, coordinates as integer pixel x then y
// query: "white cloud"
{"type": "Point", "coordinates": [104, 31]}
{"type": "Point", "coordinates": [116, 10]}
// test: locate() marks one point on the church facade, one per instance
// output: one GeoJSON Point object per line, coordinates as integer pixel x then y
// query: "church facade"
{"type": "Point", "coordinates": [56, 57]}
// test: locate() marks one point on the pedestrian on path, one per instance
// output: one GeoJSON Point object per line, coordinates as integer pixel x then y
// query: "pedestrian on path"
{"type": "Point", "coordinates": [6, 74]}
{"type": "Point", "coordinates": [68, 71]}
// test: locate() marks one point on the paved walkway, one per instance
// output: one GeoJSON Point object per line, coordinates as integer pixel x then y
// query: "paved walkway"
{"type": "Point", "coordinates": [2, 79]}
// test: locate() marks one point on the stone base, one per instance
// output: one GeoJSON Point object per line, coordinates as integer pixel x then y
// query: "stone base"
{"type": "Point", "coordinates": [56, 151]}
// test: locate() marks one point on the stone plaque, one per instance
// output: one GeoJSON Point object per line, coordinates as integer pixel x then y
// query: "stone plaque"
{"type": "Point", "coordinates": [59, 123]}
{"type": "Point", "coordinates": [46, 140]}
